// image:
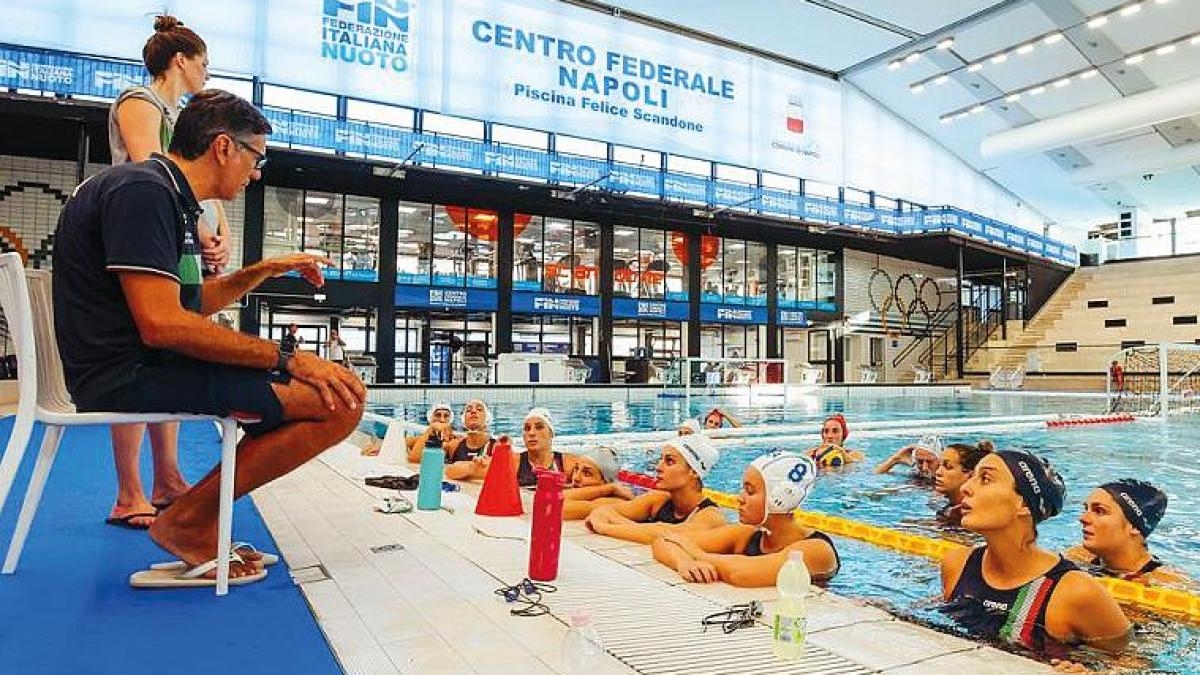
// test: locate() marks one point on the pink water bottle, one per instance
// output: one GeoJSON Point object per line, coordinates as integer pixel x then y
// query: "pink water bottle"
{"type": "Point", "coordinates": [547, 526]}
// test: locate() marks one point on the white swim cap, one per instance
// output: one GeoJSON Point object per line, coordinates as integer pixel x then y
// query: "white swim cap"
{"type": "Point", "coordinates": [697, 451]}
{"type": "Point", "coordinates": [788, 477]}
{"type": "Point", "coordinates": [692, 425]}
{"type": "Point", "coordinates": [606, 459]}
{"type": "Point", "coordinates": [543, 415]}
{"type": "Point", "coordinates": [440, 405]}
{"type": "Point", "coordinates": [487, 412]}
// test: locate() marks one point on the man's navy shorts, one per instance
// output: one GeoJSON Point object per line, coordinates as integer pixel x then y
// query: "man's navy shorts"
{"type": "Point", "coordinates": [198, 387]}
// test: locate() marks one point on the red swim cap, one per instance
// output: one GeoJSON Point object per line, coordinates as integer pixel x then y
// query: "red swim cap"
{"type": "Point", "coordinates": [841, 420]}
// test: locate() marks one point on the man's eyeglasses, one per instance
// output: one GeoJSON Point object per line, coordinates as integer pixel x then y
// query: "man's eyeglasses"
{"type": "Point", "coordinates": [260, 158]}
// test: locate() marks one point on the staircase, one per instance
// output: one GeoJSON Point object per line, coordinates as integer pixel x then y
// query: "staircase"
{"type": "Point", "coordinates": [1014, 351]}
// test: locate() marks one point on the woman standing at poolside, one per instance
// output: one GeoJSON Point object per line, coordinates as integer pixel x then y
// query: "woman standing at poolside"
{"type": "Point", "coordinates": [140, 123]}
{"type": "Point", "coordinates": [750, 553]}
{"type": "Point", "coordinates": [1010, 589]}
{"type": "Point", "coordinates": [676, 503]}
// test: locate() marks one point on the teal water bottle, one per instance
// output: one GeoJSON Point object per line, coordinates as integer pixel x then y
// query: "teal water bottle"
{"type": "Point", "coordinates": [429, 489]}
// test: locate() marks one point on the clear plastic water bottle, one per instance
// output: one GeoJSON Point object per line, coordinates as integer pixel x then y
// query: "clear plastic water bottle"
{"type": "Point", "coordinates": [582, 648]}
{"type": "Point", "coordinates": [791, 612]}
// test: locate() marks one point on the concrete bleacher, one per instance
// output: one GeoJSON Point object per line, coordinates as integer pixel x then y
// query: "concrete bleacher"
{"type": "Point", "coordinates": [1148, 296]}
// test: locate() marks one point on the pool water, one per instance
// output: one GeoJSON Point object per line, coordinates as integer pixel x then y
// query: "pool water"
{"type": "Point", "coordinates": [909, 585]}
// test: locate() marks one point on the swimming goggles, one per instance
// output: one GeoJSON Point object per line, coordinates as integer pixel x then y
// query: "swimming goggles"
{"type": "Point", "coordinates": [529, 593]}
{"type": "Point", "coordinates": [735, 617]}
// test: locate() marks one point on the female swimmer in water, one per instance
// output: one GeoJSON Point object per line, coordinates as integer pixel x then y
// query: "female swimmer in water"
{"type": "Point", "coordinates": [751, 553]}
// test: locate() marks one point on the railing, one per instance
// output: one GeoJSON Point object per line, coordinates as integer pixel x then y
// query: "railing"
{"type": "Point", "coordinates": [977, 333]}
{"type": "Point", "coordinates": [72, 74]}
{"type": "Point", "coordinates": [939, 323]}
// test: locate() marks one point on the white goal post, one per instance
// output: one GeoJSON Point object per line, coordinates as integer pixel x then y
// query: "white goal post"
{"type": "Point", "coordinates": [1159, 379]}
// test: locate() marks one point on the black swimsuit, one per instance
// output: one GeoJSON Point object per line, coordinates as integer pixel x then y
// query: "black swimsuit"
{"type": "Point", "coordinates": [666, 514]}
{"type": "Point", "coordinates": [527, 477]}
{"type": "Point", "coordinates": [754, 548]}
{"type": "Point", "coordinates": [1016, 616]}
{"type": "Point", "coordinates": [462, 453]}
{"type": "Point", "coordinates": [1096, 568]}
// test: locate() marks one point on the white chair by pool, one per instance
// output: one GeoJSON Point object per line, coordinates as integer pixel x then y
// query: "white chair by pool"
{"type": "Point", "coordinates": [25, 296]}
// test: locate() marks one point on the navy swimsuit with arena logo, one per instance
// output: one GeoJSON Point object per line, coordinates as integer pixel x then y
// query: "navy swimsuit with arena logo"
{"type": "Point", "coordinates": [1016, 616]}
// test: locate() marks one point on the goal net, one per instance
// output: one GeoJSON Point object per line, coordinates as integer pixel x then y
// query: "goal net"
{"type": "Point", "coordinates": [1157, 379]}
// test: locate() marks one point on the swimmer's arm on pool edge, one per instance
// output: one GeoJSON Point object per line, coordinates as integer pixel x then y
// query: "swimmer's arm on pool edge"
{"type": "Point", "coordinates": [1082, 606]}
{"type": "Point", "coordinates": [682, 551]}
{"type": "Point", "coordinates": [607, 521]}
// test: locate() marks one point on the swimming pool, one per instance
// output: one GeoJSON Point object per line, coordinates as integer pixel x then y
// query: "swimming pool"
{"type": "Point", "coordinates": [910, 585]}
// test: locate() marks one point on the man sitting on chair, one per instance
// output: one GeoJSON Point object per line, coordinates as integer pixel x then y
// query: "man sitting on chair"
{"type": "Point", "coordinates": [130, 310]}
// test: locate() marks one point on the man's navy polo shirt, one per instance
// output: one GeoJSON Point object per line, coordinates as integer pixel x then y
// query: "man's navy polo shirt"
{"type": "Point", "coordinates": [127, 218]}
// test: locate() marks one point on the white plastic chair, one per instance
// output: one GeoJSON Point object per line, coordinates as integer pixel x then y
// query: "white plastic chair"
{"type": "Point", "coordinates": [43, 398]}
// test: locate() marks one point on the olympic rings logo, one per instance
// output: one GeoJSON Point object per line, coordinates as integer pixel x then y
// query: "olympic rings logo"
{"type": "Point", "coordinates": [906, 295]}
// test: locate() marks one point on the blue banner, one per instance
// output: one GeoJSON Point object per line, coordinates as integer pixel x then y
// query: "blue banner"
{"type": "Point", "coordinates": [732, 314]}
{"type": "Point", "coordinates": [71, 74]}
{"type": "Point", "coordinates": [792, 317]}
{"type": "Point", "coordinates": [467, 299]}
{"type": "Point", "coordinates": [630, 308]}
{"type": "Point", "coordinates": [555, 303]}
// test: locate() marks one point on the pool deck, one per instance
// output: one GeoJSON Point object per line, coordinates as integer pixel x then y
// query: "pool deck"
{"type": "Point", "coordinates": [400, 593]}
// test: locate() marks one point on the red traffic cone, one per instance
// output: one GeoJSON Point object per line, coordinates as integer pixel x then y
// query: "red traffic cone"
{"type": "Point", "coordinates": [500, 495]}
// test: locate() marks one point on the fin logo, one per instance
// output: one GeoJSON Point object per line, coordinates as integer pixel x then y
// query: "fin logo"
{"type": "Point", "coordinates": [106, 79]}
{"type": "Point", "coordinates": [13, 69]}
{"type": "Point", "coordinates": [369, 33]}
{"type": "Point", "coordinates": [390, 14]}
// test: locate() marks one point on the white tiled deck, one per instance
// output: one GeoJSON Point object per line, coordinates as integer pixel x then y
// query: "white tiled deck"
{"type": "Point", "coordinates": [424, 602]}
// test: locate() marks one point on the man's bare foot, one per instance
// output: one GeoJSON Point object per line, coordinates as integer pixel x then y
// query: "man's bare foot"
{"type": "Point", "coordinates": [194, 548]}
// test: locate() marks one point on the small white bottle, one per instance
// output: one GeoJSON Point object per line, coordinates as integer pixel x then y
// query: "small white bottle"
{"type": "Point", "coordinates": [582, 648]}
{"type": "Point", "coordinates": [791, 612]}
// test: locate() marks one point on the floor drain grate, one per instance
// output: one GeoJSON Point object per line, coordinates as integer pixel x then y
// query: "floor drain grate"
{"type": "Point", "coordinates": [308, 575]}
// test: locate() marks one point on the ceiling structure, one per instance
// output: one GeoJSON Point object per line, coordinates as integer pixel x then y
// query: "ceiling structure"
{"type": "Point", "coordinates": [1081, 108]}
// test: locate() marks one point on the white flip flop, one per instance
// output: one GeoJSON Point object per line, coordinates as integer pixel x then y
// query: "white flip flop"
{"type": "Point", "coordinates": [268, 559]}
{"type": "Point", "coordinates": [190, 578]}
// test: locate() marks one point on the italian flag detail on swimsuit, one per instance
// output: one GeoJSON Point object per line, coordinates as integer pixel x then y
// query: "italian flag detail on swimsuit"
{"type": "Point", "coordinates": [1023, 615]}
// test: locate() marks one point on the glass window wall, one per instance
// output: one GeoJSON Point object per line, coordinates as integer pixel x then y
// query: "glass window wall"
{"type": "Point", "coordinates": [807, 279]}
{"type": "Point", "coordinates": [343, 228]}
{"type": "Point", "coordinates": [555, 255]}
{"type": "Point", "coordinates": [450, 246]}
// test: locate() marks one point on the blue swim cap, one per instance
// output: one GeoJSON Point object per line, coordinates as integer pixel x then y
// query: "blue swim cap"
{"type": "Point", "coordinates": [1142, 503]}
{"type": "Point", "coordinates": [1040, 486]}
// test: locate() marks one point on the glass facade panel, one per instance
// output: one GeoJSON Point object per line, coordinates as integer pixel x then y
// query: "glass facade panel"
{"type": "Point", "coordinates": [734, 259]}
{"type": "Point", "coordinates": [756, 273]}
{"type": "Point", "coordinates": [625, 247]}
{"type": "Point", "coordinates": [343, 228]}
{"type": "Point", "coordinates": [527, 255]}
{"type": "Point", "coordinates": [787, 258]}
{"type": "Point", "coordinates": [559, 259]}
{"type": "Point", "coordinates": [360, 248]}
{"type": "Point", "coordinates": [414, 244]}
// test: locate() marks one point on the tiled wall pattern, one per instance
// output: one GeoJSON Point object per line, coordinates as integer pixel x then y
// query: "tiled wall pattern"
{"type": "Point", "coordinates": [32, 192]}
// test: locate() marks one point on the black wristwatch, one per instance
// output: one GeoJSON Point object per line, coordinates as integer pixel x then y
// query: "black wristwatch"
{"type": "Point", "coordinates": [282, 364]}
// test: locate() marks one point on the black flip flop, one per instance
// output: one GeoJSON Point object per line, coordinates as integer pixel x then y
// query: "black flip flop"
{"type": "Point", "coordinates": [394, 482]}
{"type": "Point", "coordinates": [126, 521]}
{"type": "Point", "coordinates": [161, 506]}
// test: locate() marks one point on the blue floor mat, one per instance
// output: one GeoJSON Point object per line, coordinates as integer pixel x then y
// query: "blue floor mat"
{"type": "Point", "coordinates": [69, 608]}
